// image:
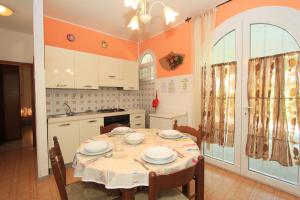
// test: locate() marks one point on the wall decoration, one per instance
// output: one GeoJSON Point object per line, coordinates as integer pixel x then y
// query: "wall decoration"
{"type": "Point", "coordinates": [104, 44]}
{"type": "Point", "coordinates": [71, 37]}
{"type": "Point", "coordinates": [184, 85]}
{"type": "Point", "coordinates": [171, 61]}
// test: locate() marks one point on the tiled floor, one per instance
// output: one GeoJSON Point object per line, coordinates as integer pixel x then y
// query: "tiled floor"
{"type": "Point", "coordinates": [26, 141]}
{"type": "Point", "coordinates": [18, 181]}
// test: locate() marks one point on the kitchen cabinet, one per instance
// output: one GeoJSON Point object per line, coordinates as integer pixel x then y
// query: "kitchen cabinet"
{"type": "Point", "coordinates": [165, 121]}
{"type": "Point", "coordinates": [68, 137]}
{"type": "Point", "coordinates": [79, 70]}
{"type": "Point", "coordinates": [131, 75]}
{"type": "Point", "coordinates": [85, 69]}
{"type": "Point", "coordinates": [111, 72]}
{"type": "Point", "coordinates": [137, 120]}
{"type": "Point", "coordinates": [59, 67]}
{"type": "Point", "coordinates": [89, 128]}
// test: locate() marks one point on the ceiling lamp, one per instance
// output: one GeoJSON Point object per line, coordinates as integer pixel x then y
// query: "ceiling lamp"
{"type": "Point", "coordinates": [5, 11]}
{"type": "Point", "coordinates": [143, 14]}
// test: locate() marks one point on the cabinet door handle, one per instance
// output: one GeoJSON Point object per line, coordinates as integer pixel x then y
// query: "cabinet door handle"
{"type": "Point", "coordinates": [92, 121]}
{"type": "Point", "coordinates": [67, 124]}
{"type": "Point", "coordinates": [111, 76]}
{"type": "Point", "coordinates": [137, 117]}
{"type": "Point", "coordinates": [138, 124]}
{"type": "Point", "coordinates": [88, 86]}
{"type": "Point", "coordinates": [131, 87]}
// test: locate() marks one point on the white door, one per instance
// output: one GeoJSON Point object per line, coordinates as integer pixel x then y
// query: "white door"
{"type": "Point", "coordinates": [225, 50]}
{"type": "Point", "coordinates": [266, 35]}
{"type": "Point", "coordinates": [86, 68]}
{"type": "Point", "coordinates": [258, 32]}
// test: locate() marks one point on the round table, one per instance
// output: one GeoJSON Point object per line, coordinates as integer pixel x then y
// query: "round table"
{"type": "Point", "coordinates": [122, 170]}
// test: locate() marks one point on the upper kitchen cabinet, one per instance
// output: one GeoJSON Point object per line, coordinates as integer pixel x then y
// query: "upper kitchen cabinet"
{"type": "Point", "coordinates": [131, 75]}
{"type": "Point", "coordinates": [111, 72]}
{"type": "Point", "coordinates": [86, 68]}
{"type": "Point", "coordinates": [59, 64]}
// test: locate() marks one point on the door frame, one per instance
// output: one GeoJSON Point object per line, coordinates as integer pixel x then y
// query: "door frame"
{"type": "Point", "coordinates": [240, 22]}
{"type": "Point", "coordinates": [221, 31]}
{"type": "Point", "coordinates": [265, 15]}
{"type": "Point", "coordinates": [23, 64]}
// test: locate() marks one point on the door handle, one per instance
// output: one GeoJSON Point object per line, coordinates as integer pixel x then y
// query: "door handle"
{"type": "Point", "coordinates": [88, 86]}
{"type": "Point", "coordinates": [111, 76]}
{"type": "Point", "coordinates": [137, 117]}
{"type": "Point", "coordinates": [92, 121]}
{"type": "Point", "coordinates": [65, 124]}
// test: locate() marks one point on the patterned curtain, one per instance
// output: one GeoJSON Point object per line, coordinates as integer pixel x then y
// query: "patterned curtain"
{"type": "Point", "coordinates": [274, 108]}
{"type": "Point", "coordinates": [218, 107]}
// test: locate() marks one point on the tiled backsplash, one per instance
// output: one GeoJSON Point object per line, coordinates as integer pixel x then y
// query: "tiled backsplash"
{"type": "Point", "coordinates": [82, 100]}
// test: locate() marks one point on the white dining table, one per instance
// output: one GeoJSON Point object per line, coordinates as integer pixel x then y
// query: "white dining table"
{"type": "Point", "coordinates": [124, 168]}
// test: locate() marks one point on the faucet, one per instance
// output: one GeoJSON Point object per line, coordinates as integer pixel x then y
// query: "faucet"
{"type": "Point", "coordinates": [68, 109]}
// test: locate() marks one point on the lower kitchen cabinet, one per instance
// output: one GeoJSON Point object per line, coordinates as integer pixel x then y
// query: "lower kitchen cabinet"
{"type": "Point", "coordinates": [68, 137]}
{"type": "Point", "coordinates": [137, 120]}
{"type": "Point", "coordinates": [89, 128]}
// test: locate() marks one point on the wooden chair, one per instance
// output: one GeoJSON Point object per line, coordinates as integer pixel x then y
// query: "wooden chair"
{"type": "Point", "coordinates": [109, 128]}
{"type": "Point", "coordinates": [60, 159]}
{"type": "Point", "coordinates": [78, 190]}
{"type": "Point", "coordinates": [191, 131]}
{"type": "Point", "coordinates": [164, 187]}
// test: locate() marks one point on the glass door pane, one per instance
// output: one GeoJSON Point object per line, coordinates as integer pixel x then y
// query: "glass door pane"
{"type": "Point", "coordinates": [224, 51]}
{"type": "Point", "coordinates": [268, 40]}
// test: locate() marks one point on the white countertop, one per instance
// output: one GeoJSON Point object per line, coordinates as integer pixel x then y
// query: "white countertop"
{"type": "Point", "coordinates": [167, 115]}
{"type": "Point", "coordinates": [91, 115]}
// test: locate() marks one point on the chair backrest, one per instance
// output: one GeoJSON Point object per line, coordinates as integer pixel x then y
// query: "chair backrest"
{"type": "Point", "coordinates": [109, 128]}
{"type": "Point", "coordinates": [61, 162]}
{"type": "Point", "coordinates": [181, 178]}
{"type": "Point", "coordinates": [57, 175]}
{"type": "Point", "coordinates": [191, 131]}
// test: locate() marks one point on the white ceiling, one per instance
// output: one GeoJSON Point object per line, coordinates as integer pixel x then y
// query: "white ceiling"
{"type": "Point", "coordinates": [110, 16]}
{"type": "Point", "coordinates": [21, 20]}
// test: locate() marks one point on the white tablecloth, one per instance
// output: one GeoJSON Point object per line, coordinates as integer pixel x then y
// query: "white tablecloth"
{"type": "Point", "coordinates": [121, 171]}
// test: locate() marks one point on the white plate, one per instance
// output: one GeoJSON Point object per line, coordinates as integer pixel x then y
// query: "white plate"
{"type": "Point", "coordinates": [158, 153]}
{"type": "Point", "coordinates": [170, 134]}
{"type": "Point", "coordinates": [82, 151]}
{"type": "Point", "coordinates": [159, 162]}
{"type": "Point", "coordinates": [96, 146]}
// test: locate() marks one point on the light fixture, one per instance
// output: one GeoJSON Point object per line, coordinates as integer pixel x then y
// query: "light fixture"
{"type": "Point", "coordinates": [143, 14]}
{"type": "Point", "coordinates": [5, 11]}
{"type": "Point", "coordinates": [134, 23]}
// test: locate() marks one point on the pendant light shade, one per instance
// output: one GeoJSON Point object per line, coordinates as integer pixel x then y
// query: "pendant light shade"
{"type": "Point", "coordinates": [134, 23]}
{"type": "Point", "coordinates": [5, 11]}
{"type": "Point", "coordinates": [170, 14]}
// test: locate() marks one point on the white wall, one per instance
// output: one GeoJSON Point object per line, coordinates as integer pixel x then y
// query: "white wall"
{"type": "Point", "coordinates": [175, 95]}
{"type": "Point", "coordinates": [40, 88]}
{"type": "Point", "coordinates": [16, 46]}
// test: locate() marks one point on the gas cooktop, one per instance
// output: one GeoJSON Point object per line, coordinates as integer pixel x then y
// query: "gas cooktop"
{"type": "Point", "coordinates": [108, 110]}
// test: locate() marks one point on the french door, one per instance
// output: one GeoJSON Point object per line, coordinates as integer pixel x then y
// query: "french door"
{"type": "Point", "coordinates": [255, 33]}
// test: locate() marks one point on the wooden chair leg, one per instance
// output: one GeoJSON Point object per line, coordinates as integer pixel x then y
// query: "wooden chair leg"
{"type": "Point", "coordinates": [128, 194]}
{"type": "Point", "coordinates": [186, 190]}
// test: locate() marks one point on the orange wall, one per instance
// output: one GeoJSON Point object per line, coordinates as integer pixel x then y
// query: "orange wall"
{"type": "Point", "coordinates": [87, 40]}
{"type": "Point", "coordinates": [178, 39]}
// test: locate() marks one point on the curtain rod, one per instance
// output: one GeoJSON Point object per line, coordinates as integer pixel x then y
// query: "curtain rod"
{"type": "Point", "coordinates": [225, 2]}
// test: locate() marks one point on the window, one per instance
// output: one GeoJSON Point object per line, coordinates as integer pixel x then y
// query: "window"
{"type": "Point", "coordinates": [147, 66]}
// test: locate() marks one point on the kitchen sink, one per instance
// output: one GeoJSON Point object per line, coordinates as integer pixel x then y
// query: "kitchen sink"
{"type": "Point", "coordinates": [72, 114]}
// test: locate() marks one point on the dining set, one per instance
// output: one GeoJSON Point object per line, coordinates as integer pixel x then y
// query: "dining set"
{"type": "Point", "coordinates": [125, 163]}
